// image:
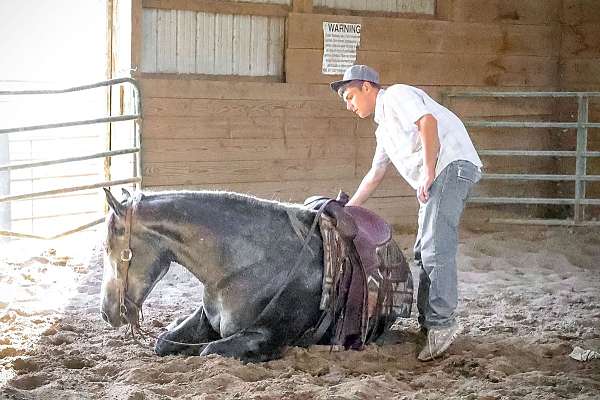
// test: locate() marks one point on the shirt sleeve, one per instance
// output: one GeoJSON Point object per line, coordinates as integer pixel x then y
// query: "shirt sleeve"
{"type": "Point", "coordinates": [407, 104]}
{"type": "Point", "coordinates": [380, 158]}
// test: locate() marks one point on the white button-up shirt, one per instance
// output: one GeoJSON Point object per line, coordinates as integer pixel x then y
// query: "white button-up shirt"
{"type": "Point", "coordinates": [397, 110]}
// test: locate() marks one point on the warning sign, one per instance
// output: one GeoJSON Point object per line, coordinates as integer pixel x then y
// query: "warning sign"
{"type": "Point", "coordinates": [339, 51]}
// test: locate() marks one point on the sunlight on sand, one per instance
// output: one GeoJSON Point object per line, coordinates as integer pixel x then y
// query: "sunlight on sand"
{"type": "Point", "coordinates": [38, 281]}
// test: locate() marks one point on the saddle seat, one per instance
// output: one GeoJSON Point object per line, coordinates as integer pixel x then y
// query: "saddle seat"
{"type": "Point", "coordinates": [371, 232]}
{"type": "Point", "coordinates": [366, 229]}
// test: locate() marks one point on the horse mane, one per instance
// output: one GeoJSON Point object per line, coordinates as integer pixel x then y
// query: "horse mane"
{"type": "Point", "coordinates": [226, 195]}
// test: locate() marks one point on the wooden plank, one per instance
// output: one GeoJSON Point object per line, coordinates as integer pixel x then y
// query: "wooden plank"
{"type": "Point", "coordinates": [396, 206]}
{"type": "Point", "coordinates": [204, 77]}
{"type": "Point", "coordinates": [302, 127]}
{"type": "Point", "coordinates": [508, 165]}
{"type": "Point", "coordinates": [580, 71]}
{"type": "Point", "coordinates": [136, 36]}
{"type": "Point", "coordinates": [305, 31]}
{"type": "Point", "coordinates": [580, 11]}
{"type": "Point", "coordinates": [215, 126]}
{"type": "Point", "coordinates": [178, 86]}
{"type": "Point", "coordinates": [193, 88]}
{"type": "Point", "coordinates": [166, 43]}
{"type": "Point", "coordinates": [500, 107]}
{"type": "Point", "coordinates": [365, 128]}
{"type": "Point", "coordinates": [299, 190]}
{"type": "Point", "coordinates": [186, 42]}
{"type": "Point", "coordinates": [275, 46]}
{"type": "Point", "coordinates": [531, 12]}
{"type": "Point", "coordinates": [444, 9]}
{"type": "Point", "coordinates": [242, 108]}
{"type": "Point", "coordinates": [220, 7]}
{"type": "Point", "coordinates": [259, 46]}
{"type": "Point", "coordinates": [257, 127]}
{"type": "Point", "coordinates": [205, 43]}
{"type": "Point", "coordinates": [246, 149]}
{"type": "Point", "coordinates": [514, 139]}
{"type": "Point", "coordinates": [242, 44]}
{"type": "Point", "coordinates": [195, 173]}
{"type": "Point", "coordinates": [223, 44]}
{"type": "Point", "coordinates": [304, 66]}
{"type": "Point", "coordinates": [205, 107]}
{"type": "Point", "coordinates": [212, 126]}
{"type": "Point", "coordinates": [185, 127]}
{"type": "Point", "coordinates": [149, 32]}
{"type": "Point", "coordinates": [581, 87]}
{"type": "Point", "coordinates": [581, 41]}
{"type": "Point", "coordinates": [381, 7]}
{"type": "Point", "coordinates": [302, 6]}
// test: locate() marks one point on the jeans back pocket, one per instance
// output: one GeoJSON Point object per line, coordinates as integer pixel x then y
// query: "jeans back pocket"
{"type": "Point", "coordinates": [468, 172]}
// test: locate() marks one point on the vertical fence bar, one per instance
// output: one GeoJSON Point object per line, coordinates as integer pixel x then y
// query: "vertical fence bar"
{"type": "Point", "coordinates": [581, 162]}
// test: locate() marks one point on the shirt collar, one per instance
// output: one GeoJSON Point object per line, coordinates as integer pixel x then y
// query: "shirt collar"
{"type": "Point", "coordinates": [379, 115]}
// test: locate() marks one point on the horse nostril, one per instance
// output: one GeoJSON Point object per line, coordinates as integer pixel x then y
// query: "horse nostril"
{"type": "Point", "coordinates": [104, 316]}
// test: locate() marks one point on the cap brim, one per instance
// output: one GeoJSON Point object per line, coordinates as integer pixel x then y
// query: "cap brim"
{"type": "Point", "coordinates": [335, 86]}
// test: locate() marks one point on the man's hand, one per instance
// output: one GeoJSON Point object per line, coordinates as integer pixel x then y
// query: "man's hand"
{"type": "Point", "coordinates": [368, 185]}
{"type": "Point", "coordinates": [423, 189]}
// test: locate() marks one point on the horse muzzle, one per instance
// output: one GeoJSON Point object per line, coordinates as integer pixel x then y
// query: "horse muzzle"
{"type": "Point", "coordinates": [113, 317]}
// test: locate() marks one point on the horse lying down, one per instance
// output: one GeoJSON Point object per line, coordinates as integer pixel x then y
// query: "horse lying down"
{"type": "Point", "coordinates": [262, 266]}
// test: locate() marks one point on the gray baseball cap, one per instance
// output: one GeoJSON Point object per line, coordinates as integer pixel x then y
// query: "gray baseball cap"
{"type": "Point", "coordinates": [354, 73]}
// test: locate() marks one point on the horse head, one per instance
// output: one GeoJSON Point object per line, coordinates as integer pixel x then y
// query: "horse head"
{"type": "Point", "coordinates": [133, 261]}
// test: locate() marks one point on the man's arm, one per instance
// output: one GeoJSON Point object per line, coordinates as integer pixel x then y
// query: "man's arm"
{"type": "Point", "coordinates": [368, 185]}
{"type": "Point", "coordinates": [430, 140]}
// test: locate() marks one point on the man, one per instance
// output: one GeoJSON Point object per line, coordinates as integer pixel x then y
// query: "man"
{"type": "Point", "coordinates": [432, 150]}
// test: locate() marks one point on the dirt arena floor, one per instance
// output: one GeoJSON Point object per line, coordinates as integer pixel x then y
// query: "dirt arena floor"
{"type": "Point", "coordinates": [527, 299]}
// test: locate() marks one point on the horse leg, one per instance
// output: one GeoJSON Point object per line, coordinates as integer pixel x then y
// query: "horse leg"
{"type": "Point", "coordinates": [250, 345]}
{"type": "Point", "coordinates": [193, 329]}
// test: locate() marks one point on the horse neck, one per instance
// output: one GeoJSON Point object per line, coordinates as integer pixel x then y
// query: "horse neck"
{"type": "Point", "coordinates": [196, 227]}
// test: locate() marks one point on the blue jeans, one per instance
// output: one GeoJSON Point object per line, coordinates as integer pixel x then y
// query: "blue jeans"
{"type": "Point", "coordinates": [437, 243]}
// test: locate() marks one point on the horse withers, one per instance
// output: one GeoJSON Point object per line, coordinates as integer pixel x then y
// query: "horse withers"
{"type": "Point", "coordinates": [260, 261]}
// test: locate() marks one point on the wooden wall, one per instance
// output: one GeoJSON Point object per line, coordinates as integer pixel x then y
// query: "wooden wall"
{"type": "Point", "coordinates": [278, 141]}
{"type": "Point", "coordinates": [294, 139]}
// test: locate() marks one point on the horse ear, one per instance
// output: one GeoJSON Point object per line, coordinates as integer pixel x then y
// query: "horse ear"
{"type": "Point", "coordinates": [126, 193]}
{"type": "Point", "coordinates": [113, 203]}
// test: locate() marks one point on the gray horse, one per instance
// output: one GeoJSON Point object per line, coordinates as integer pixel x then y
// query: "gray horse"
{"type": "Point", "coordinates": [262, 287]}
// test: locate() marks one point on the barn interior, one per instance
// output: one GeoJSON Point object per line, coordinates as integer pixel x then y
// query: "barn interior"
{"type": "Point", "coordinates": [234, 95]}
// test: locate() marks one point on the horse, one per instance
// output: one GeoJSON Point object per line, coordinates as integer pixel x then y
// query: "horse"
{"type": "Point", "coordinates": [262, 278]}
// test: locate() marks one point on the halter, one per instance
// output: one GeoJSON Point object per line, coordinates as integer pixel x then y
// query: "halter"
{"type": "Point", "coordinates": [124, 260]}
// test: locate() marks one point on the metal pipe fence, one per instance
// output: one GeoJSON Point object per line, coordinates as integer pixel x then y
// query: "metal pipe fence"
{"type": "Point", "coordinates": [581, 154]}
{"type": "Point", "coordinates": [136, 179]}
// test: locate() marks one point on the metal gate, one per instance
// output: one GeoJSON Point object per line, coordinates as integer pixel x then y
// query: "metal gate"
{"type": "Point", "coordinates": [136, 178]}
{"type": "Point", "coordinates": [581, 154]}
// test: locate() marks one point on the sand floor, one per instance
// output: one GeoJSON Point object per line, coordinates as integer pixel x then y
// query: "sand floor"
{"type": "Point", "coordinates": [527, 298]}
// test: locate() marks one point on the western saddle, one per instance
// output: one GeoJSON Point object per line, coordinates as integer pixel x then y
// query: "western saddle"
{"type": "Point", "coordinates": [367, 283]}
